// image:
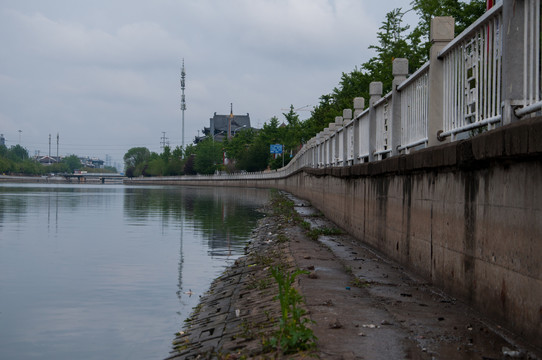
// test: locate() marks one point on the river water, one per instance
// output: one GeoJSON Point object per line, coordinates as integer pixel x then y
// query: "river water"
{"type": "Point", "coordinates": [110, 271]}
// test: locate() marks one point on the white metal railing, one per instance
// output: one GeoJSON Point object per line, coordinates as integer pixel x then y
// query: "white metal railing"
{"type": "Point", "coordinates": [363, 135]}
{"type": "Point", "coordinates": [333, 149]}
{"type": "Point", "coordinates": [350, 141]}
{"type": "Point", "coordinates": [340, 146]}
{"type": "Point", "coordinates": [531, 59]}
{"type": "Point", "coordinates": [414, 108]}
{"type": "Point", "coordinates": [383, 121]}
{"type": "Point", "coordinates": [472, 75]}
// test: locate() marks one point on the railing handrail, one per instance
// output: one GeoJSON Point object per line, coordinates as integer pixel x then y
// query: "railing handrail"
{"type": "Point", "coordinates": [383, 99]}
{"type": "Point", "coordinates": [362, 114]}
{"type": "Point", "coordinates": [471, 29]}
{"type": "Point", "coordinates": [421, 71]}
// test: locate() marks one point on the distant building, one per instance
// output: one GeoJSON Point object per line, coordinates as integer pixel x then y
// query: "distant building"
{"type": "Point", "coordinates": [2, 140]}
{"type": "Point", "coordinates": [47, 160]}
{"type": "Point", "coordinates": [92, 162]}
{"type": "Point", "coordinates": [222, 126]}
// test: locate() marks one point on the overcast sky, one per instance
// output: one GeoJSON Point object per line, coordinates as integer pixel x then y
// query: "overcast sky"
{"type": "Point", "coordinates": [105, 74]}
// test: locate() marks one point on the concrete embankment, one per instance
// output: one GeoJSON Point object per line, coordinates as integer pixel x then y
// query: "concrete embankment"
{"type": "Point", "coordinates": [466, 216]}
{"type": "Point", "coordinates": [364, 306]}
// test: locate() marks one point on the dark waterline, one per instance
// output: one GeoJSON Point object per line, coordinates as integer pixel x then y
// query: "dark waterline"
{"type": "Point", "coordinates": [102, 272]}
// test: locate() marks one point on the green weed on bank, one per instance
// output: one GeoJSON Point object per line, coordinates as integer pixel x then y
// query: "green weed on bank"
{"type": "Point", "coordinates": [293, 334]}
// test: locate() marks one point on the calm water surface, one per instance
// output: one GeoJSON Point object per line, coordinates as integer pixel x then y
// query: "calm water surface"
{"type": "Point", "coordinates": [105, 271]}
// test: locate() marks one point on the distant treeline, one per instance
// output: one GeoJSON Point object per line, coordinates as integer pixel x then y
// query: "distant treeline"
{"type": "Point", "coordinates": [15, 161]}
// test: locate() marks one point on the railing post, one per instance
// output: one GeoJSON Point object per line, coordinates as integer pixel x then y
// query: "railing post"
{"type": "Point", "coordinates": [347, 116]}
{"type": "Point", "coordinates": [321, 147]}
{"type": "Point", "coordinates": [327, 144]}
{"type": "Point", "coordinates": [336, 147]}
{"type": "Point", "coordinates": [400, 72]}
{"type": "Point", "coordinates": [442, 32]}
{"type": "Point", "coordinates": [513, 51]}
{"type": "Point", "coordinates": [375, 93]}
{"type": "Point", "coordinates": [359, 105]}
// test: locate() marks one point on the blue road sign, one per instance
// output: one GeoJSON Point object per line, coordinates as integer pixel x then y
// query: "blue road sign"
{"type": "Point", "coordinates": [276, 148]}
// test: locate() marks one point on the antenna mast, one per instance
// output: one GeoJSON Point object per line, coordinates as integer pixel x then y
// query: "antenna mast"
{"type": "Point", "coordinates": [183, 101]}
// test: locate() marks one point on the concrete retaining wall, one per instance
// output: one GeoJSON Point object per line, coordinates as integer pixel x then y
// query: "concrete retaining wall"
{"type": "Point", "coordinates": [467, 216]}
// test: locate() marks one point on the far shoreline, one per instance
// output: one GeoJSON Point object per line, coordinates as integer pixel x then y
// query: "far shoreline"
{"type": "Point", "coordinates": [41, 179]}
{"type": "Point", "coordinates": [45, 179]}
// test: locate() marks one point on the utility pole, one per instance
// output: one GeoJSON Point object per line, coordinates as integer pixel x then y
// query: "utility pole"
{"type": "Point", "coordinates": [230, 118]}
{"type": "Point", "coordinates": [49, 149]}
{"type": "Point", "coordinates": [163, 141]}
{"type": "Point", "coordinates": [183, 101]}
{"type": "Point", "coordinates": [57, 141]}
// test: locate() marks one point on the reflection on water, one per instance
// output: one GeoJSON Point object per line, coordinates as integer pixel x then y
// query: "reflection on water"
{"type": "Point", "coordinates": [95, 272]}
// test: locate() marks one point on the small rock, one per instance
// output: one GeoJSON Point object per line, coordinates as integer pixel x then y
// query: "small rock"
{"type": "Point", "coordinates": [385, 322]}
{"type": "Point", "coordinates": [369, 326]}
{"type": "Point", "coordinates": [361, 334]}
{"type": "Point", "coordinates": [511, 353]}
{"type": "Point", "coordinates": [313, 275]}
{"type": "Point", "coordinates": [306, 257]}
{"type": "Point", "coordinates": [310, 267]}
{"type": "Point", "coordinates": [335, 324]}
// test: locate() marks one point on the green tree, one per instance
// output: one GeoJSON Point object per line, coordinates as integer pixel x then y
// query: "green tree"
{"type": "Point", "coordinates": [238, 145]}
{"type": "Point", "coordinates": [353, 84]}
{"type": "Point", "coordinates": [190, 150]}
{"type": "Point", "coordinates": [166, 154]}
{"type": "Point", "coordinates": [209, 156]}
{"type": "Point", "coordinates": [135, 158]}
{"type": "Point", "coordinates": [256, 158]}
{"type": "Point", "coordinates": [392, 43]}
{"type": "Point", "coordinates": [18, 153]}
{"type": "Point", "coordinates": [292, 136]}
{"type": "Point", "coordinates": [29, 167]}
{"type": "Point", "coordinates": [155, 167]}
{"type": "Point", "coordinates": [270, 132]}
{"type": "Point", "coordinates": [177, 153]}
{"type": "Point", "coordinates": [189, 165]}
{"type": "Point", "coordinates": [72, 162]}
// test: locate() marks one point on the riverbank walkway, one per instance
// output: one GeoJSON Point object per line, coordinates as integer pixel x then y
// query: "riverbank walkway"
{"type": "Point", "coordinates": [363, 305]}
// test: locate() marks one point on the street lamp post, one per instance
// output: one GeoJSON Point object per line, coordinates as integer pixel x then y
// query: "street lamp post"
{"type": "Point", "coordinates": [239, 128]}
{"type": "Point", "coordinates": [218, 133]}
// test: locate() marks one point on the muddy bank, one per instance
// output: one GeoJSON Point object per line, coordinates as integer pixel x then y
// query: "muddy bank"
{"type": "Point", "coordinates": [363, 305]}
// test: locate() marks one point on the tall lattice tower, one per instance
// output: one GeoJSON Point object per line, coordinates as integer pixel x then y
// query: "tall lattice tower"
{"type": "Point", "coordinates": [183, 100]}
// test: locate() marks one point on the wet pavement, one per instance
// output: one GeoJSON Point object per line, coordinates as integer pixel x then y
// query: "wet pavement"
{"type": "Point", "coordinates": [385, 312]}
{"type": "Point", "coordinates": [364, 305]}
